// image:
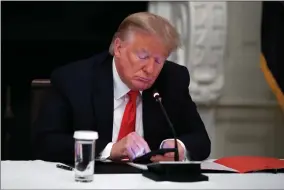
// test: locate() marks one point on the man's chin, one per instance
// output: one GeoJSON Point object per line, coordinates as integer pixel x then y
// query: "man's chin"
{"type": "Point", "coordinates": [141, 85]}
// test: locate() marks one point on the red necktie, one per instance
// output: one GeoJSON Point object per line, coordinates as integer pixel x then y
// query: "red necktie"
{"type": "Point", "coordinates": [129, 117]}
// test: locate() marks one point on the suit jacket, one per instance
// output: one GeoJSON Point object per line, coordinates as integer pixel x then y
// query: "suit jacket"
{"type": "Point", "coordinates": [82, 99]}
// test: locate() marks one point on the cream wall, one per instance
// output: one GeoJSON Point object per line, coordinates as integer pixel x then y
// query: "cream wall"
{"type": "Point", "coordinates": [243, 117]}
{"type": "Point", "coordinates": [248, 119]}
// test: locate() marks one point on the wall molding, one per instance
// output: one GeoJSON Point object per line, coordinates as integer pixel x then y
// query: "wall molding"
{"type": "Point", "coordinates": [203, 30]}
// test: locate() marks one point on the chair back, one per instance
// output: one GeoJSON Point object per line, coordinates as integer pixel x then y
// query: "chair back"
{"type": "Point", "coordinates": [40, 88]}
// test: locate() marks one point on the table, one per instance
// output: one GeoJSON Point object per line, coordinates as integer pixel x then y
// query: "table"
{"type": "Point", "coordinates": [44, 175]}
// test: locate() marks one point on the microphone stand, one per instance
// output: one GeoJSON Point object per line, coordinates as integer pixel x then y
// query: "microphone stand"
{"type": "Point", "coordinates": [159, 100]}
{"type": "Point", "coordinates": [173, 171]}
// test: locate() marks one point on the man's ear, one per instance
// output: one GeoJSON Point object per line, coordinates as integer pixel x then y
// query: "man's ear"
{"type": "Point", "coordinates": [117, 47]}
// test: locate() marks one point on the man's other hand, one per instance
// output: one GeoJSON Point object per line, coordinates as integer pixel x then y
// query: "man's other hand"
{"type": "Point", "coordinates": [130, 146]}
{"type": "Point", "coordinates": [171, 155]}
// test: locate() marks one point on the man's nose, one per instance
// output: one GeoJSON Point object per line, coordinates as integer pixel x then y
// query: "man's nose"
{"type": "Point", "coordinates": [149, 67]}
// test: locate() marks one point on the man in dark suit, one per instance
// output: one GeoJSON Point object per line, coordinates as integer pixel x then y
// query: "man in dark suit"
{"type": "Point", "coordinates": [112, 93]}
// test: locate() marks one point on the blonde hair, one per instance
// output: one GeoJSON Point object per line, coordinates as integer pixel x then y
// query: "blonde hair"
{"type": "Point", "coordinates": [149, 23]}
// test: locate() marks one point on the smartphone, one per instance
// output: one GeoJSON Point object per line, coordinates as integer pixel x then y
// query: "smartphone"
{"type": "Point", "coordinates": [146, 158]}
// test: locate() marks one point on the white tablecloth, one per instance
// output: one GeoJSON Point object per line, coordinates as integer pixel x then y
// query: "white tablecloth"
{"type": "Point", "coordinates": [44, 175]}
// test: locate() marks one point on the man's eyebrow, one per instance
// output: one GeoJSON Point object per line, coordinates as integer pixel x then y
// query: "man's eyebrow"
{"type": "Point", "coordinates": [159, 56]}
{"type": "Point", "coordinates": [156, 56]}
{"type": "Point", "coordinates": [144, 51]}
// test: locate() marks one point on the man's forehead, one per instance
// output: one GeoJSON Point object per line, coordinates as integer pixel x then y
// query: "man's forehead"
{"type": "Point", "coordinates": [148, 44]}
{"type": "Point", "coordinates": [145, 51]}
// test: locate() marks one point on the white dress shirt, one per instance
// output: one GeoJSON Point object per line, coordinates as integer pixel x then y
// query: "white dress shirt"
{"type": "Point", "coordinates": [120, 100]}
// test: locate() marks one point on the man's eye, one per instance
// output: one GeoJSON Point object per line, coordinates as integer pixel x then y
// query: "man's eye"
{"type": "Point", "coordinates": [159, 61]}
{"type": "Point", "coordinates": [143, 56]}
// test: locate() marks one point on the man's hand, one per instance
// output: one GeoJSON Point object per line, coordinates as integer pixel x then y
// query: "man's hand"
{"type": "Point", "coordinates": [130, 146]}
{"type": "Point", "coordinates": [170, 156]}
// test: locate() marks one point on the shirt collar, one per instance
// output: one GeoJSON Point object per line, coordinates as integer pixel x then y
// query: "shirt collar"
{"type": "Point", "coordinates": [120, 89]}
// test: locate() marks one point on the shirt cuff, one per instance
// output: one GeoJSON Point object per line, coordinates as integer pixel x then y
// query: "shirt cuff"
{"type": "Point", "coordinates": [105, 154]}
{"type": "Point", "coordinates": [181, 143]}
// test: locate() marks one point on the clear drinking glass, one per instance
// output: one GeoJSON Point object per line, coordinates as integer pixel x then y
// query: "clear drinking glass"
{"type": "Point", "coordinates": [85, 143]}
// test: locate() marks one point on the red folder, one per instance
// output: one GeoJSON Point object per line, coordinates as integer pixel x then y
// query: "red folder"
{"type": "Point", "coordinates": [246, 164]}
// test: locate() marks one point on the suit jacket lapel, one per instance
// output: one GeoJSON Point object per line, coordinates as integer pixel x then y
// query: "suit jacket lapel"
{"type": "Point", "coordinates": [153, 121]}
{"type": "Point", "coordinates": [103, 98]}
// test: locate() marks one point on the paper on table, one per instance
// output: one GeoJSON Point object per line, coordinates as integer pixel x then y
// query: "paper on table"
{"type": "Point", "coordinates": [139, 166]}
{"type": "Point", "coordinates": [213, 166]}
{"type": "Point", "coordinates": [243, 164]}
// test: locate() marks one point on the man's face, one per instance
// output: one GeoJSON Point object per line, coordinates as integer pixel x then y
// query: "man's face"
{"type": "Point", "coordinates": [139, 60]}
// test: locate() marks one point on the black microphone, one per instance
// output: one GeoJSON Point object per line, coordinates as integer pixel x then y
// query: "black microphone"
{"type": "Point", "coordinates": [158, 98]}
{"type": "Point", "coordinates": [173, 171]}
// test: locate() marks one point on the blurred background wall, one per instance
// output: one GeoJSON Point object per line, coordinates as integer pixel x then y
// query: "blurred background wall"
{"type": "Point", "coordinates": [222, 46]}
{"type": "Point", "coordinates": [248, 118]}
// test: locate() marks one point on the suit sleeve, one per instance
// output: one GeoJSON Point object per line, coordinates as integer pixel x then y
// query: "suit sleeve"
{"type": "Point", "coordinates": [192, 130]}
{"type": "Point", "coordinates": [53, 133]}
